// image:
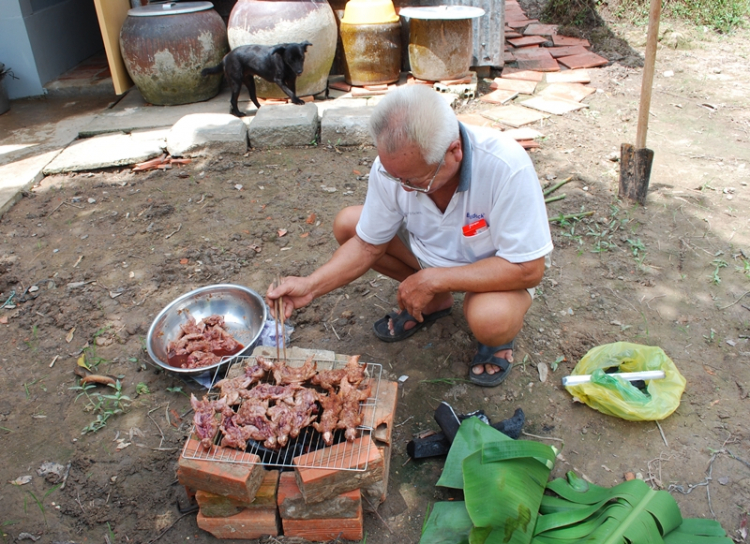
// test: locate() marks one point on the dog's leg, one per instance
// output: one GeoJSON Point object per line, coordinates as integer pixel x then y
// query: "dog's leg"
{"type": "Point", "coordinates": [236, 87]}
{"type": "Point", "coordinates": [289, 90]}
{"type": "Point", "coordinates": [250, 84]}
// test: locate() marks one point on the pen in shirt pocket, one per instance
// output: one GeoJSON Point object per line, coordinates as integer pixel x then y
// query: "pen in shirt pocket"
{"type": "Point", "coordinates": [477, 227]}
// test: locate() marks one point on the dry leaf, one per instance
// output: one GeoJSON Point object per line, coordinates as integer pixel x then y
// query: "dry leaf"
{"type": "Point", "coordinates": [357, 172]}
{"type": "Point", "coordinates": [708, 370]}
{"type": "Point", "coordinates": [714, 402]}
{"type": "Point", "coordinates": [69, 336]}
{"type": "Point", "coordinates": [282, 232]}
{"type": "Point", "coordinates": [21, 480]}
{"type": "Point", "coordinates": [304, 235]}
{"type": "Point", "coordinates": [184, 261]}
{"type": "Point", "coordinates": [82, 362]}
{"type": "Point", "coordinates": [310, 219]}
{"type": "Point", "coordinates": [112, 294]}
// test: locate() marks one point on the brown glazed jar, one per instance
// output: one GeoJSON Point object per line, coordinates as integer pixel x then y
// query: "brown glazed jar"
{"type": "Point", "coordinates": [272, 22]}
{"type": "Point", "coordinates": [165, 47]}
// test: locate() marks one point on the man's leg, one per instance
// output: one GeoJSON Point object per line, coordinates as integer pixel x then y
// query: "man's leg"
{"type": "Point", "coordinates": [398, 262]}
{"type": "Point", "coordinates": [495, 319]}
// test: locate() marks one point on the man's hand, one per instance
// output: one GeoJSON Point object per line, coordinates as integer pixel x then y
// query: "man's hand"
{"type": "Point", "coordinates": [415, 293]}
{"type": "Point", "coordinates": [297, 292]}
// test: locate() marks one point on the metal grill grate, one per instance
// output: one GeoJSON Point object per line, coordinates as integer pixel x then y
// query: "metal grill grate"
{"type": "Point", "coordinates": [342, 455]}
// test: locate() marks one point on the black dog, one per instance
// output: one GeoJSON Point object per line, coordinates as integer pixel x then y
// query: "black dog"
{"type": "Point", "coordinates": [280, 64]}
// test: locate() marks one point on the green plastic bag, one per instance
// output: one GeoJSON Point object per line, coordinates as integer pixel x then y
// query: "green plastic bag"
{"type": "Point", "coordinates": [617, 397]}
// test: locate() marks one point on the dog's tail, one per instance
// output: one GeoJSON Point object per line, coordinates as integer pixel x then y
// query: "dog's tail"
{"type": "Point", "coordinates": [219, 68]}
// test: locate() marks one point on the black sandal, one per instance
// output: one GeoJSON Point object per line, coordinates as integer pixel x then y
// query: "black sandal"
{"type": "Point", "coordinates": [381, 330]}
{"type": "Point", "coordinates": [486, 355]}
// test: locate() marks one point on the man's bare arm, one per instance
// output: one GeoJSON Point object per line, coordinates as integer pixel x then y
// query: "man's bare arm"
{"type": "Point", "coordinates": [350, 261]}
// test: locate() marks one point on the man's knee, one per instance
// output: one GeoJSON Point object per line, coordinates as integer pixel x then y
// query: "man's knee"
{"type": "Point", "coordinates": [345, 223]}
{"type": "Point", "coordinates": [496, 317]}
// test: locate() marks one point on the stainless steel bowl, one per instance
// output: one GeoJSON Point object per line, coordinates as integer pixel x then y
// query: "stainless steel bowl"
{"type": "Point", "coordinates": [244, 313]}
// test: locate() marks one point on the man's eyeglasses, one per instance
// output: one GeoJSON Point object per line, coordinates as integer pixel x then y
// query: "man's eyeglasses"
{"type": "Point", "coordinates": [406, 184]}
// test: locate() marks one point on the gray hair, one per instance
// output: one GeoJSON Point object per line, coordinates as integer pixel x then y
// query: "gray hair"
{"type": "Point", "coordinates": [414, 114]}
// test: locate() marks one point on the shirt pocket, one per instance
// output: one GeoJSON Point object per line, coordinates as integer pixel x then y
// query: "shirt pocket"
{"type": "Point", "coordinates": [478, 247]}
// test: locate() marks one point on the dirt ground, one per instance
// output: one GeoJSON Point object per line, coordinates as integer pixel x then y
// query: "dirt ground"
{"type": "Point", "coordinates": [93, 257]}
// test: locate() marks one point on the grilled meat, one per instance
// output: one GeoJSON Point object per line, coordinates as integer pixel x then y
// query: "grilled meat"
{"type": "Point", "coordinates": [205, 419]}
{"type": "Point", "coordinates": [284, 374]}
{"type": "Point", "coordinates": [351, 417]}
{"type": "Point", "coordinates": [353, 371]}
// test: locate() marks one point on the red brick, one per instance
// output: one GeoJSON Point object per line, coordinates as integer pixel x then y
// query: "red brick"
{"type": "Point", "coordinates": [216, 506]}
{"type": "Point", "coordinates": [583, 60]}
{"type": "Point", "coordinates": [376, 493]}
{"type": "Point", "coordinates": [385, 411]}
{"type": "Point", "coordinates": [325, 529]}
{"type": "Point", "coordinates": [526, 41]}
{"type": "Point", "coordinates": [559, 40]}
{"type": "Point", "coordinates": [237, 480]}
{"type": "Point", "coordinates": [340, 86]}
{"type": "Point", "coordinates": [248, 524]}
{"type": "Point", "coordinates": [526, 75]}
{"type": "Point", "coordinates": [292, 504]}
{"type": "Point", "coordinates": [319, 484]}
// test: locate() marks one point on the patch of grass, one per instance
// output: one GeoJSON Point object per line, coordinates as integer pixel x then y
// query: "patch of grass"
{"type": "Point", "coordinates": [102, 406]}
{"type": "Point", "coordinates": [142, 389]}
{"type": "Point", "coordinates": [721, 15]}
{"type": "Point", "coordinates": [92, 359]}
{"type": "Point", "coordinates": [177, 389]}
{"type": "Point", "coordinates": [40, 503]}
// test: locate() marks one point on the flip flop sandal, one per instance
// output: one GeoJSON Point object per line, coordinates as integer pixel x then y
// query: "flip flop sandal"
{"type": "Point", "coordinates": [486, 355]}
{"type": "Point", "coordinates": [400, 319]}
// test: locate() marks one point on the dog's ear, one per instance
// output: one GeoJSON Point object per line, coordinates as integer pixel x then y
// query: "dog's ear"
{"type": "Point", "coordinates": [305, 45]}
{"type": "Point", "coordinates": [280, 49]}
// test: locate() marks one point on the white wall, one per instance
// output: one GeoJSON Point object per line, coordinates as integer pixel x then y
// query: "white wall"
{"type": "Point", "coordinates": [16, 53]}
{"type": "Point", "coordinates": [41, 45]}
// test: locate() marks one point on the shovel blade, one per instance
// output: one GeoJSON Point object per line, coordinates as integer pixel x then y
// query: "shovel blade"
{"type": "Point", "coordinates": [635, 172]}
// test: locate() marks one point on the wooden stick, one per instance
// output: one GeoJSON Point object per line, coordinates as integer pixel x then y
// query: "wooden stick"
{"type": "Point", "coordinates": [571, 216]}
{"type": "Point", "coordinates": [554, 198]}
{"type": "Point", "coordinates": [648, 73]}
{"type": "Point", "coordinates": [276, 308]}
{"type": "Point", "coordinates": [557, 186]}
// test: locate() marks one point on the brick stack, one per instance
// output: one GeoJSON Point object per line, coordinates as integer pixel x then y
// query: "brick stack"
{"type": "Point", "coordinates": [314, 501]}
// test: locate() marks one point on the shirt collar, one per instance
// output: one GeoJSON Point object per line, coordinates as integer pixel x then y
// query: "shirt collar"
{"type": "Point", "coordinates": [465, 172]}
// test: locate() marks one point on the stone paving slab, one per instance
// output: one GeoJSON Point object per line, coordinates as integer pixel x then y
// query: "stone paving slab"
{"type": "Point", "coordinates": [500, 96]}
{"type": "Point", "coordinates": [134, 113]}
{"type": "Point", "coordinates": [346, 126]}
{"type": "Point", "coordinates": [17, 177]}
{"type": "Point", "coordinates": [288, 125]}
{"type": "Point", "coordinates": [558, 40]}
{"type": "Point", "coordinates": [514, 116]}
{"type": "Point", "coordinates": [568, 76]}
{"type": "Point", "coordinates": [199, 133]}
{"type": "Point", "coordinates": [108, 150]}
{"type": "Point", "coordinates": [519, 85]}
{"type": "Point", "coordinates": [567, 91]}
{"type": "Point", "coordinates": [557, 106]}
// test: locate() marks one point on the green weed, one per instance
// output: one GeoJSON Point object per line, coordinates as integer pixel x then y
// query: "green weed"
{"type": "Point", "coordinates": [718, 264]}
{"type": "Point", "coordinates": [102, 406]}
{"type": "Point", "coordinates": [40, 503]}
{"type": "Point", "coordinates": [722, 15]}
{"type": "Point", "coordinates": [142, 389]}
{"type": "Point", "coordinates": [177, 389]}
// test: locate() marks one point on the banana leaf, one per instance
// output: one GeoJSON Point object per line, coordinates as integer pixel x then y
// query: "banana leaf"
{"type": "Point", "coordinates": [503, 487]}
{"type": "Point", "coordinates": [448, 523]}
{"type": "Point", "coordinates": [472, 435]}
{"type": "Point", "coordinates": [630, 512]}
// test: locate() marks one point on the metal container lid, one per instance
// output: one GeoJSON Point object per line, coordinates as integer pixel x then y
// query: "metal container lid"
{"type": "Point", "coordinates": [169, 8]}
{"type": "Point", "coordinates": [442, 12]}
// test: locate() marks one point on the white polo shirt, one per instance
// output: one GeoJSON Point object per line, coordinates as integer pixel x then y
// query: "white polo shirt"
{"type": "Point", "coordinates": [497, 183]}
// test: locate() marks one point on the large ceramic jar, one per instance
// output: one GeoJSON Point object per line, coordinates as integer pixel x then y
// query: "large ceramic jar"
{"type": "Point", "coordinates": [165, 47]}
{"type": "Point", "coordinates": [371, 39]}
{"type": "Point", "coordinates": [272, 22]}
{"type": "Point", "coordinates": [440, 40]}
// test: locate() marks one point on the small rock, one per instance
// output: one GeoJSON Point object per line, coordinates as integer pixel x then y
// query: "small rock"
{"type": "Point", "coordinates": [639, 476]}
{"type": "Point", "coordinates": [629, 476]}
{"type": "Point", "coordinates": [543, 369]}
{"type": "Point", "coordinates": [33, 289]}
{"type": "Point", "coordinates": [92, 201]}
{"type": "Point", "coordinates": [669, 73]}
{"type": "Point", "coordinates": [723, 480]}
